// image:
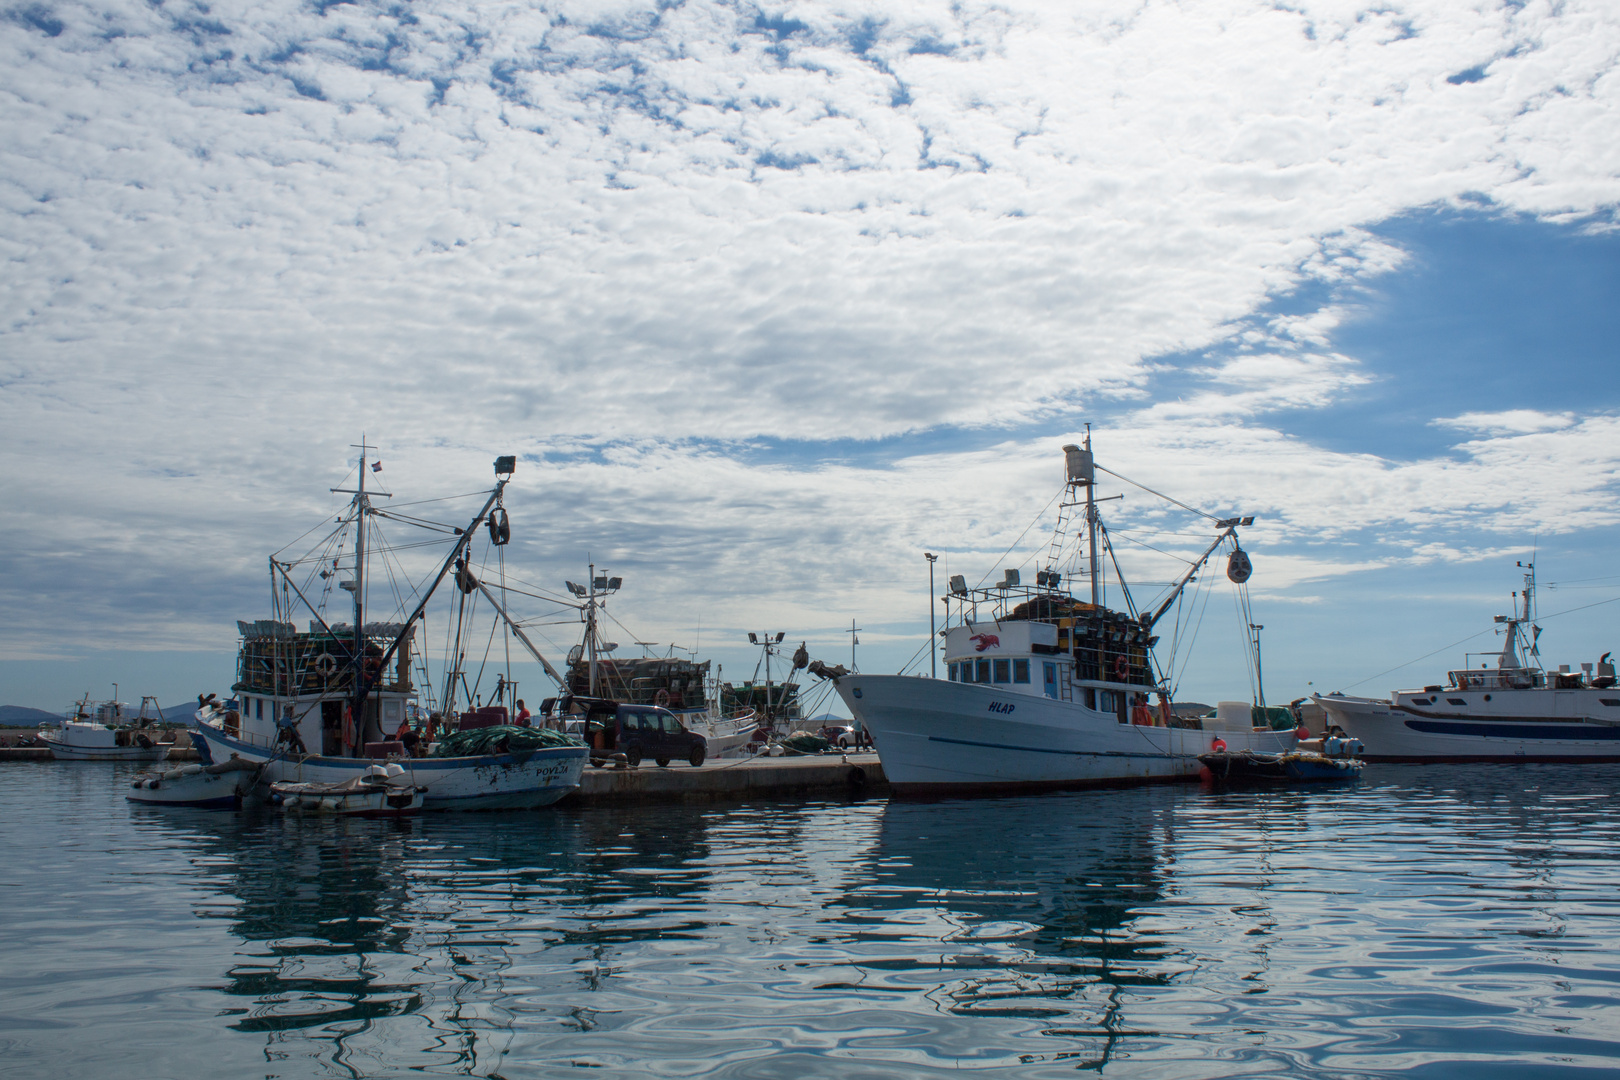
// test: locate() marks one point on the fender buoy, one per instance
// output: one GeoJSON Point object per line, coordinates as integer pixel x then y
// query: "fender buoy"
{"type": "Point", "coordinates": [1218, 745]}
{"type": "Point", "coordinates": [1120, 667]}
{"type": "Point", "coordinates": [1302, 733]}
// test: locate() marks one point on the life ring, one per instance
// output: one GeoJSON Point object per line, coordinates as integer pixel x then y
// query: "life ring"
{"type": "Point", "coordinates": [1218, 746]}
{"type": "Point", "coordinates": [1120, 667]}
{"type": "Point", "coordinates": [325, 665]}
{"type": "Point", "coordinates": [661, 698]}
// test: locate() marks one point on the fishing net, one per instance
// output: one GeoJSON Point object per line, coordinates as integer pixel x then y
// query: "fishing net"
{"type": "Point", "coordinates": [802, 742]}
{"type": "Point", "coordinates": [501, 739]}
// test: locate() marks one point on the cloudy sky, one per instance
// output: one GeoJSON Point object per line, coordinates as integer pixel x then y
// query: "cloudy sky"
{"type": "Point", "coordinates": [771, 299]}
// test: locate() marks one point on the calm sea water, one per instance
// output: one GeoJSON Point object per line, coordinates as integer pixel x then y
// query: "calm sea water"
{"type": "Point", "coordinates": [1430, 921]}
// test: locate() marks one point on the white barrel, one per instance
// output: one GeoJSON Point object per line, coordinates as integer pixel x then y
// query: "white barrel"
{"type": "Point", "coordinates": [1232, 716]}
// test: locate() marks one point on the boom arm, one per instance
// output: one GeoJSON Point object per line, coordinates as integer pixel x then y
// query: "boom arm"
{"type": "Point", "coordinates": [1148, 621]}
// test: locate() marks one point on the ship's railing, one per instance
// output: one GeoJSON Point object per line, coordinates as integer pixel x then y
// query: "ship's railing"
{"type": "Point", "coordinates": [1519, 678]}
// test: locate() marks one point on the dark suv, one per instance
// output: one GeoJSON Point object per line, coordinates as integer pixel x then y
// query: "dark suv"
{"type": "Point", "coordinates": [636, 731]}
{"type": "Point", "coordinates": [648, 731]}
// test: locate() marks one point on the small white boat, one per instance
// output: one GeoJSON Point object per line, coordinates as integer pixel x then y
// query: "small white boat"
{"type": "Point", "coordinates": [1512, 710]}
{"type": "Point", "coordinates": [382, 791]}
{"type": "Point", "coordinates": [221, 786]}
{"type": "Point", "coordinates": [102, 731]}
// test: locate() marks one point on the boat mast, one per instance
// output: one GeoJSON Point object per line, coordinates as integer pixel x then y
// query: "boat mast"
{"type": "Point", "coordinates": [1087, 478]}
{"type": "Point", "coordinates": [590, 623]}
{"type": "Point", "coordinates": [357, 686]}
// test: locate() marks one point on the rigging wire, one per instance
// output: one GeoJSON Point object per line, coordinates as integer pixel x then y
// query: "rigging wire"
{"type": "Point", "coordinates": [1160, 494]}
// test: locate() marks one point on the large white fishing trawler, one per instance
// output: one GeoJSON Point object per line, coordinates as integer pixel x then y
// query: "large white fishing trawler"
{"type": "Point", "coordinates": [1045, 690]}
{"type": "Point", "coordinates": [324, 705]}
{"type": "Point", "coordinates": [1512, 710]}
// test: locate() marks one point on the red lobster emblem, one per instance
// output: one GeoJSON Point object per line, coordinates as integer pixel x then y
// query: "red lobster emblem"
{"type": "Point", "coordinates": [985, 641]}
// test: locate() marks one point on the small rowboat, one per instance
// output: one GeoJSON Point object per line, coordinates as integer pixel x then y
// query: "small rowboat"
{"type": "Point", "coordinates": [1295, 767]}
{"type": "Point", "coordinates": [219, 786]}
{"type": "Point", "coordinates": [378, 792]}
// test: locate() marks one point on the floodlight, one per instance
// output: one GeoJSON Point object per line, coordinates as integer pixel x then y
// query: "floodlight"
{"type": "Point", "coordinates": [753, 638]}
{"type": "Point", "coordinates": [780, 634]}
{"type": "Point", "coordinates": [1010, 577]}
{"type": "Point", "coordinates": [600, 583]}
{"type": "Point", "coordinates": [577, 590]}
{"type": "Point", "coordinates": [958, 584]}
{"type": "Point", "coordinates": [505, 465]}
{"type": "Point", "coordinates": [1248, 520]}
{"type": "Point", "coordinates": [615, 582]}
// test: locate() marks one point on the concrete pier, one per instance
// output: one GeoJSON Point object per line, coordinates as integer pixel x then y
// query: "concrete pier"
{"type": "Point", "coordinates": [821, 776]}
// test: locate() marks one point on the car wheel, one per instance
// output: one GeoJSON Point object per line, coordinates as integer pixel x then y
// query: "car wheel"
{"type": "Point", "coordinates": [699, 752]}
{"type": "Point", "coordinates": [632, 754]}
{"type": "Point", "coordinates": [843, 742]}
{"type": "Point", "coordinates": [662, 762]}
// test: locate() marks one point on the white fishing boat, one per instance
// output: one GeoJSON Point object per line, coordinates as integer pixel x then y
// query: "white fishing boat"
{"type": "Point", "coordinates": [1045, 690]}
{"type": "Point", "coordinates": [1509, 708]}
{"type": "Point", "coordinates": [104, 731]}
{"type": "Point", "coordinates": [322, 706]}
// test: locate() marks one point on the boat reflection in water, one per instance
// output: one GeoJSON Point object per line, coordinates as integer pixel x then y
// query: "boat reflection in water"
{"type": "Point", "coordinates": [1035, 921]}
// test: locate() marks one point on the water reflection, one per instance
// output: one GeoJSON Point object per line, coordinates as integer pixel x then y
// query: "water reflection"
{"type": "Point", "coordinates": [1431, 920]}
{"type": "Point", "coordinates": [1034, 904]}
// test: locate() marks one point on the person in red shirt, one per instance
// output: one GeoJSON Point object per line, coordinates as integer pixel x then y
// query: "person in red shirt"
{"type": "Point", "coordinates": [522, 714]}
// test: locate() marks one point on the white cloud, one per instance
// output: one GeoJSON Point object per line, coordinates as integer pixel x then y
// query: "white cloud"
{"type": "Point", "coordinates": [234, 237]}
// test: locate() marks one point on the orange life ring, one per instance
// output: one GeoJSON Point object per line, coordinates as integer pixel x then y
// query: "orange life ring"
{"type": "Point", "coordinates": [1120, 667]}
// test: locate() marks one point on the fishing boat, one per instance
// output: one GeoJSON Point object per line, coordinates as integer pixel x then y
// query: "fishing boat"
{"type": "Point", "coordinates": [682, 686]}
{"type": "Point", "coordinates": [104, 731]}
{"type": "Point", "coordinates": [1044, 689]}
{"type": "Point", "coordinates": [324, 705]}
{"type": "Point", "coordinates": [1509, 708]}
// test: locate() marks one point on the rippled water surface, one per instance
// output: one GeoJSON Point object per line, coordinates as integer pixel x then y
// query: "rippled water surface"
{"type": "Point", "coordinates": [1431, 921]}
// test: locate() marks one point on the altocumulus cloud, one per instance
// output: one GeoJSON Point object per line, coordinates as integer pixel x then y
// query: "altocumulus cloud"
{"type": "Point", "coordinates": [627, 239]}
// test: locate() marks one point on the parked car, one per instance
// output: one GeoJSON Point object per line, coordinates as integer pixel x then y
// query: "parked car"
{"type": "Point", "coordinates": [636, 731]}
{"type": "Point", "coordinates": [648, 731]}
{"type": "Point", "coordinates": [844, 737]}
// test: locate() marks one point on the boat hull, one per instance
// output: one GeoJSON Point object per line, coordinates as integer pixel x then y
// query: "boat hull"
{"type": "Point", "coordinates": [517, 781]}
{"type": "Point", "coordinates": [93, 742]}
{"type": "Point", "coordinates": [1520, 726]}
{"type": "Point", "coordinates": [936, 738]}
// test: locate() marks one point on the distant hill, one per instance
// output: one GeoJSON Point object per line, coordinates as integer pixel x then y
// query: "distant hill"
{"type": "Point", "coordinates": [22, 716]}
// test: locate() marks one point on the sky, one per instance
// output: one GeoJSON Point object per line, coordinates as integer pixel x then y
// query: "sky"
{"type": "Point", "coordinates": [771, 299]}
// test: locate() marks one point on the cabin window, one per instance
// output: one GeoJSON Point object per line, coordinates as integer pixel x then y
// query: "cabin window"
{"type": "Point", "coordinates": [951, 672]}
{"type": "Point", "coordinates": [1049, 673]}
{"type": "Point", "coordinates": [258, 708]}
{"type": "Point", "coordinates": [1613, 703]}
{"type": "Point", "coordinates": [1021, 671]}
{"type": "Point", "coordinates": [983, 674]}
{"type": "Point", "coordinates": [1456, 701]}
{"type": "Point", "coordinates": [1003, 671]}
{"type": "Point", "coordinates": [1105, 701]}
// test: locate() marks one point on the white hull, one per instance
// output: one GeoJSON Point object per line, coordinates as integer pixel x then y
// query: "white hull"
{"type": "Point", "coordinates": [1514, 725]}
{"type": "Point", "coordinates": [943, 738]}
{"type": "Point", "coordinates": [97, 742]}
{"type": "Point", "coordinates": [518, 781]}
{"type": "Point", "coordinates": [215, 787]}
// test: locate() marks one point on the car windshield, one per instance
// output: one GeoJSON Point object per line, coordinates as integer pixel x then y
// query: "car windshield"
{"type": "Point", "coordinates": [672, 726]}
